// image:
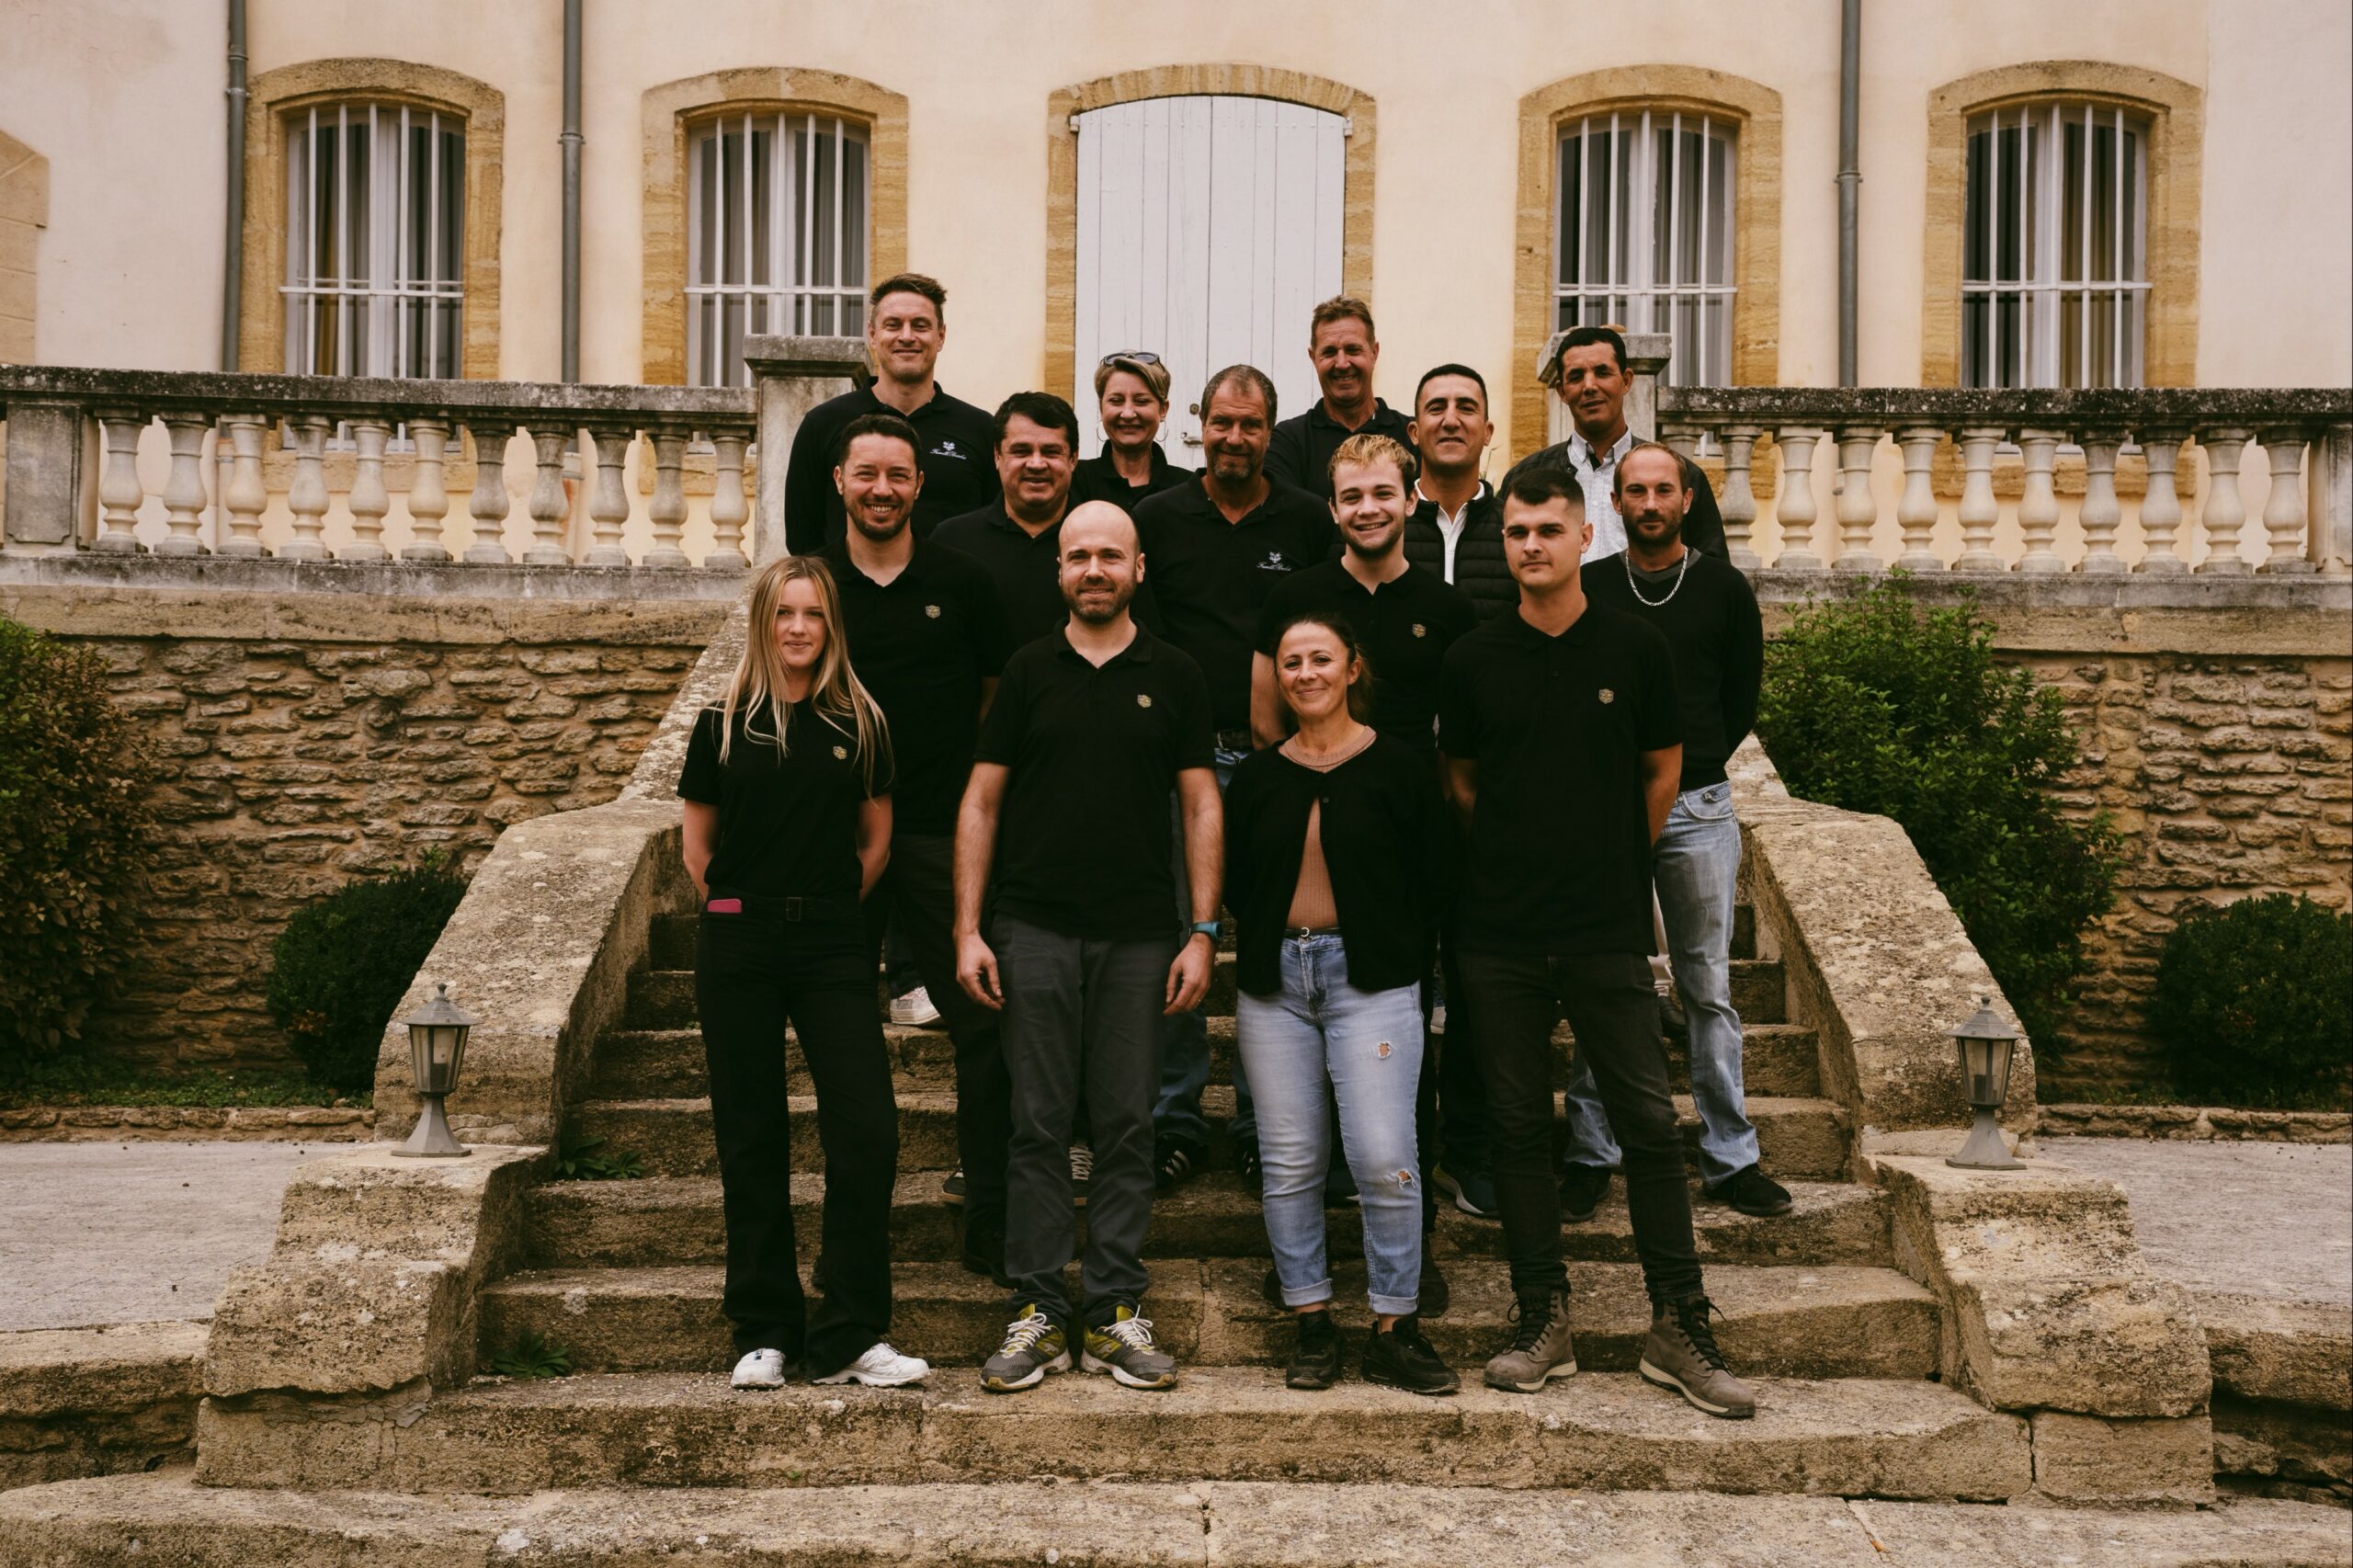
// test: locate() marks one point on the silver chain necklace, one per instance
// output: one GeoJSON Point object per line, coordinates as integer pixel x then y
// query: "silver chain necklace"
{"type": "Point", "coordinates": [1635, 586]}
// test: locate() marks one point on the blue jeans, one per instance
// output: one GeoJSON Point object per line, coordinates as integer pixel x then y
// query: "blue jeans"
{"type": "Point", "coordinates": [1321, 1037]}
{"type": "Point", "coordinates": [1696, 869]}
{"type": "Point", "coordinates": [1184, 1038]}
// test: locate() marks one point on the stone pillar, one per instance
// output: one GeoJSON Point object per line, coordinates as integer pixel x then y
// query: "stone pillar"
{"type": "Point", "coordinates": [45, 496]}
{"type": "Point", "coordinates": [1647, 353]}
{"type": "Point", "coordinates": [793, 375]}
{"type": "Point", "coordinates": [1738, 502]}
{"type": "Point", "coordinates": [2329, 475]}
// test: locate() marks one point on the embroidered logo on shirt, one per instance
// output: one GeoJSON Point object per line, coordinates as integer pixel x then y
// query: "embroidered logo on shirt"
{"type": "Point", "coordinates": [932, 610]}
{"type": "Point", "coordinates": [1607, 694]}
{"type": "Point", "coordinates": [841, 754]}
{"type": "Point", "coordinates": [1420, 630]}
{"type": "Point", "coordinates": [1144, 699]}
{"type": "Point", "coordinates": [947, 447]}
{"type": "Point", "coordinates": [1274, 563]}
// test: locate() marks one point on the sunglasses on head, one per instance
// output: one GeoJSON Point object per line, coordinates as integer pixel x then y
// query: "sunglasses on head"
{"type": "Point", "coordinates": [1136, 356]}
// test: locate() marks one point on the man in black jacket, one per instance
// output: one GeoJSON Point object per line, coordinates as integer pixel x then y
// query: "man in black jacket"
{"type": "Point", "coordinates": [1455, 529]}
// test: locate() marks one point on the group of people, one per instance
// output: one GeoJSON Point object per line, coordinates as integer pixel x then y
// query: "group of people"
{"type": "Point", "coordinates": [1452, 756]}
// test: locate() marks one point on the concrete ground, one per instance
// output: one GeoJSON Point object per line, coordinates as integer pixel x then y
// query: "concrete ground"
{"type": "Point", "coordinates": [136, 1232]}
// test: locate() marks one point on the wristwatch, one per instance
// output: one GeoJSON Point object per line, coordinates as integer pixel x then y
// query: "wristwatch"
{"type": "Point", "coordinates": [1205, 928]}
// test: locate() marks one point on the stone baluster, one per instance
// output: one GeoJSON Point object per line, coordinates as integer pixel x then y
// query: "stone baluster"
{"type": "Point", "coordinates": [1737, 505]}
{"type": "Point", "coordinates": [243, 495]}
{"type": "Point", "coordinates": [2222, 517]}
{"type": "Point", "coordinates": [119, 492]}
{"type": "Point", "coordinates": [2283, 508]}
{"type": "Point", "coordinates": [2161, 505]}
{"type": "Point", "coordinates": [1978, 512]}
{"type": "Point", "coordinates": [669, 506]}
{"type": "Point", "coordinates": [1682, 439]}
{"type": "Point", "coordinates": [2099, 513]}
{"type": "Point", "coordinates": [428, 498]}
{"type": "Point", "coordinates": [1795, 507]}
{"type": "Point", "coordinates": [730, 507]}
{"type": "Point", "coordinates": [609, 499]}
{"type": "Point", "coordinates": [2039, 502]}
{"type": "Point", "coordinates": [368, 501]}
{"type": "Point", "coordinates": [307, 496]}
{"type": "Point", "coordinates": [1916, 509]}
{"type": "Point", "coordinates": [550, 508]}
{"type": "Point", "coordinates": [184, 494]}
{"type": "Point", "coordinates": [487, 505]}
{"type": "Point", "coordinates": [1857, 506]}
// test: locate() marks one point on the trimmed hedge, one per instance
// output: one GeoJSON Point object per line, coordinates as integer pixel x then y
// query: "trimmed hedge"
{"type": "Point", "coordinates": [2253, 1003]}
{"type": "Point", "coordinates": [338, 968]}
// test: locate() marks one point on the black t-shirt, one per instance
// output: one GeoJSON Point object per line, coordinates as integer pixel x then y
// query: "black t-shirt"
{"type": "Point", "coordinates": [956, 451]}
{"type": "Point", "coordinates": [1560, 853]}
{"type": "Point", "coordinates": [1211, 577]}
{"type": "Point", "coordinates": [788, 822]}
{"type": "Point", "coordinates": [1025, 567]}
{"type": "Point", "coordinates": [1300, 451]}
{"type": "Point", "coordinates": [1095, 480]}
{"type": "Point", "coordinates": [923, 642]}
{"type": "Point", "coordinates": [1406, 627]}
{"type": "Point", "coordinates": [1710, 619]}
{"type": "Point", "coordinates": [1084, 836]}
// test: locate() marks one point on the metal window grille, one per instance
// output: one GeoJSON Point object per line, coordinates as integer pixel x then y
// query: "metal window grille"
{"type": "Point", "coordinates": [1644, 235]}
{"type": "Point", "coordinates": [2055, 282]}
{"type": "Point", "coordinates": [776, 236]}
{"type": "Point", "coordinates": [375, 226]}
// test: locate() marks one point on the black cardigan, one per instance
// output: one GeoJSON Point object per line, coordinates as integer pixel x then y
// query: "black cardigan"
{"type": "Point", "coordinates": [1389, 844]}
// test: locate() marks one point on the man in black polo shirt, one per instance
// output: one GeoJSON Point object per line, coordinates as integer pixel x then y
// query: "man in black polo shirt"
{"type": "Point", "coordinates": [1091, 730]}
{"type": "Point", "coordinates": [1343, 350]}
{"type": "Point", "coordinates": [906, 323]}
{"type": "Point", "coordinates": [924, 632]}
{"type": "Point", "coordinates": [1563, 744]}
{"type": "Point", "coordinates": [1216, 547]}
{"type": "Point", "coordinates": [1455, 529]}
{"type": "Point", "coordinates": [1017, 536]}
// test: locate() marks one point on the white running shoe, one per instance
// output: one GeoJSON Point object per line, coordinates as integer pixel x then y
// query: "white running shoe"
{"type": "Point", "coordinates": [759, 1369]}
{"type": "Point", "coordinates": [881, 1368]}
{"type": "Point", "coordinates": [915, 1009]}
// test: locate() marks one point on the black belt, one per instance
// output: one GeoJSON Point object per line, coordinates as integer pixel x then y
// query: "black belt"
{"type": "Point", "coordinates": [793, 910]}
{"type": "Point", "coordinates": [1300, 933]}
{"type": "Point", "coordinates": [1234, 740]}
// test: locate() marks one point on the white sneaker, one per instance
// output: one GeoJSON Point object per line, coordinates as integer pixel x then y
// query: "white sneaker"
{"type": "Point", "coordinates": [915, 1009]}
{"type": "Point", "coordinates": [759, 1369]}
{"type": "Point", "coordinates": [881, 1368]}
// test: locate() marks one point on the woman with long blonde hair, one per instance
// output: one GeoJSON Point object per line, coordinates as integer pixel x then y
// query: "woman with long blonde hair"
{"type": "Point", "coordinates": [786, 786]}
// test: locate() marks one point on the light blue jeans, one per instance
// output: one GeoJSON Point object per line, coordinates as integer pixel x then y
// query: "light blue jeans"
{"type": "Point", "coordinates": [1317, 1039]}
{"type": "Point", "coordinates": [1696, 869]}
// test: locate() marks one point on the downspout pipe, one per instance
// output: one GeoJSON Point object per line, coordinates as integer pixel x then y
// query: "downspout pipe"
{"type": "Point", "coordinates": [232, 254]}
{"type": "Point", "coordinates": [570, 141]}
{"type": "Point", "coordinates": [1851, 179]}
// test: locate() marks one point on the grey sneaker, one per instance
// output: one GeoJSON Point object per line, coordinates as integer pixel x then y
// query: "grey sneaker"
{"type": "Point", "coordinates": [1123, 1348]}
{"type": "Point", "coordinates": [1540, 1352]}
{"type": "Point", "coordinates": [1034, 1346]}
{"type": "Point", "coordinates": [1682, 1354]}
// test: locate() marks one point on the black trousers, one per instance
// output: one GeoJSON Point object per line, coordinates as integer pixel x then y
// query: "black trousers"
{"type": "Point", "coordinates": [1515, 1001]}
{"type": "Point", "coordinates": [753, 974]}
{"type": "Point", "coordinates": [1451, 1105]}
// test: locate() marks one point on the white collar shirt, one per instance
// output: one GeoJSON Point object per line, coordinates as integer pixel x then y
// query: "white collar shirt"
{"type": "Point", "coordinates": [1597, 477]}
{"type": "Point", "coordinates": [1450, 528]}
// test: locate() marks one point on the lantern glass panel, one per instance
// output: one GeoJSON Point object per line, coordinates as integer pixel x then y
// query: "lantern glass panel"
{"type": "Point", "coordinates": [1985, 1071]}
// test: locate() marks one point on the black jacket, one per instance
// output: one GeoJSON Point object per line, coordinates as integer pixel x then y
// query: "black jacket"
{"type": "Point", "coordinates": [1479, 568]}
{"type": "Point", "coordinates": [1703, 525]}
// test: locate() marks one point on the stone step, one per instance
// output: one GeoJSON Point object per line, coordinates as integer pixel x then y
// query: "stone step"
{"type": "Point", "coordinates": [1806, 1323]}
{"type": "Point", "coordinates": [632, 1064]}
{"type": "Point", "coordinates": [677, 1220]}
{"type": "Point", "coordinates": [665, 998]}
{"type": "Point", "coordinates": [1797, 1136]}
{"type": "Point", "coordinates": [1854, 1437]}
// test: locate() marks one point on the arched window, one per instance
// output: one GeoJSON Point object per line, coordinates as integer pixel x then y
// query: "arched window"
{"type": "Point", "coordinates": [1643, 234]}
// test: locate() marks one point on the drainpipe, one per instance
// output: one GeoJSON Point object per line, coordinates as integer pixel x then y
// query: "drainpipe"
{"type": "Point", "coordinates": [1851, 177]}
{"type": "Point", "coordinates": [233, 272]}
{"type": "Point", "coordinates": [571, 140]}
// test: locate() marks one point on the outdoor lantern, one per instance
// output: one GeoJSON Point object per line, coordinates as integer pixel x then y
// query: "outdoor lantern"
{"type": "Point", "coordinates": [437, 1049]}
{"type": "Point", "coordinates": [1985, 1045]}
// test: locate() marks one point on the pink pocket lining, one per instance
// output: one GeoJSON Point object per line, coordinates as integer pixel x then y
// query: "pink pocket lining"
{"type": "Point", "coordinates": [723, 906]}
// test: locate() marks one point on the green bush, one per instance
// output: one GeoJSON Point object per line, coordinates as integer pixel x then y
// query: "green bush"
{"type": "Point", "coordinates": [1877, 705]}
{"type": "Point", "coordinates": [338, 968]}
{"type": "Point", "coordinates": [75, 826]}
{"type": "Point", "coordinates": [2253, 1004]}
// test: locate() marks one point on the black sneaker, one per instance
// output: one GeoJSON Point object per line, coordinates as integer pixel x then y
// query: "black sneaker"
{"type": "Point", "coordinates": [1270, 1290]}
{"type": "Point", "coordinates": [1401, 1358]}
{"type": "Point", "coordinates": [1582, 1189]}
{"type": "Point", "coordinates": [1433, 1293]}
{"type": "Point", "coordinates": [1174, 1164]}
{"type": "Point", "coordinates": [1751, 1191]}
{"type": "Point", "coordinates": [952, 1188]}
{"type": "Point", "coordinates": [1315, 1354]}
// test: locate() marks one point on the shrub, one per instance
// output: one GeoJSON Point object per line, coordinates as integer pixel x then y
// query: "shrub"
{"type": "Point", "coordinates": [75, 825]}
{"type": "Point", "coordinates": [2252, 1003]}
{"type": "Point", "coordinates": [1877, 705]}
{"type": "Point", "coordinates": [338, 968]}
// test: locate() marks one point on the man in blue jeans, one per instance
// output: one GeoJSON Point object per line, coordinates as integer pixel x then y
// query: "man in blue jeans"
{"type": "Point", "coordinates": [1708, 614]}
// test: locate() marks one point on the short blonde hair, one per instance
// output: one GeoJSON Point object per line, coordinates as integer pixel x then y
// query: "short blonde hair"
{"type": "Point", "coordinates": [1359, 451]}
{"type": "Point", "coordinates": [1154, 376]}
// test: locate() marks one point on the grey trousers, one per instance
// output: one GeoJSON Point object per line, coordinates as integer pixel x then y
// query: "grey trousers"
{"type": "Point", "coordinates": [1079, 1012]}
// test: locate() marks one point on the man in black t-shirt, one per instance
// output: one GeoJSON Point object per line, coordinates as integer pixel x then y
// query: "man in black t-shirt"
{"type": "Point", "coordinates": [1564, 745]}
{"type": "Point", "coordinates": [1342, 347]}
{"type": "Point", "coordinates": [1017, 536]}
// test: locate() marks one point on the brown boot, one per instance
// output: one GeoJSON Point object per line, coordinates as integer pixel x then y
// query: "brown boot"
{"type": "Point", "coordinates": [1682, 1354]}
{"type": "Point", "coordinates": [1540, 1352]}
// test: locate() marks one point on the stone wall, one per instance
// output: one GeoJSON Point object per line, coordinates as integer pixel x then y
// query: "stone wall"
{"type": "Point", "coordinates": [312, 737]}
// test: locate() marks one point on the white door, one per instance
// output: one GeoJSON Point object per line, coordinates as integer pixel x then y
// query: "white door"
{"type": "Point", "coordinates": [1207, 228]}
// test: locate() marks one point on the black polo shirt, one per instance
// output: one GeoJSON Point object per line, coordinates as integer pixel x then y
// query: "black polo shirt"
{"type": "Point", "coordinates": [1406, 626]}
{"type": "Point", "coordinates": [787, 820]}
{"type": "Point", "coordinates": [1300, 451]}
{"type": "Point", "coordinates": [1560, 854]}
{"type": "Point", "coordinates": [1025, 567]}
{"type": "Point", "coordinates": [1083, 837]}
{"type": "Point", "coordinates": [1095, 480]}
{"type": "Point", "coordinates": [956, 451]}
{"type": "Point", "coordinates": [923, 642]}
{"type": "Point", "coordinates": [1209, 578]}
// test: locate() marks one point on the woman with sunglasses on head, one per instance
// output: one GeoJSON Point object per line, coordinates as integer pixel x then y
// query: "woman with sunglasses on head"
{"type": "Point", "coordinates": [1131, 400]}
{"type": "Point", "coordinates": [1337, 873]}
{"type": "Point", "coordinates": [786, 786]}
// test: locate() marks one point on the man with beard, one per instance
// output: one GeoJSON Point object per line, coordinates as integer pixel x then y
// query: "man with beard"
{"type": "Point", "coordinates": [1017, 536]}
{"type": "Point", "coordinates": [906, 325]}
{"type": "Point", "coordinates": [1708, 613]}
{"type": "Point", "coordinates": [1091, 730]}
{"type": "Point", "coordinates": [1341, 348]}
{"type": "Point", "coordinates": [922, 630]}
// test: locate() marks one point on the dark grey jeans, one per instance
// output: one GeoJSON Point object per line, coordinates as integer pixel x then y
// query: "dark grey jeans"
{"type": "Point", "coordinates": [1079, 1012]}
